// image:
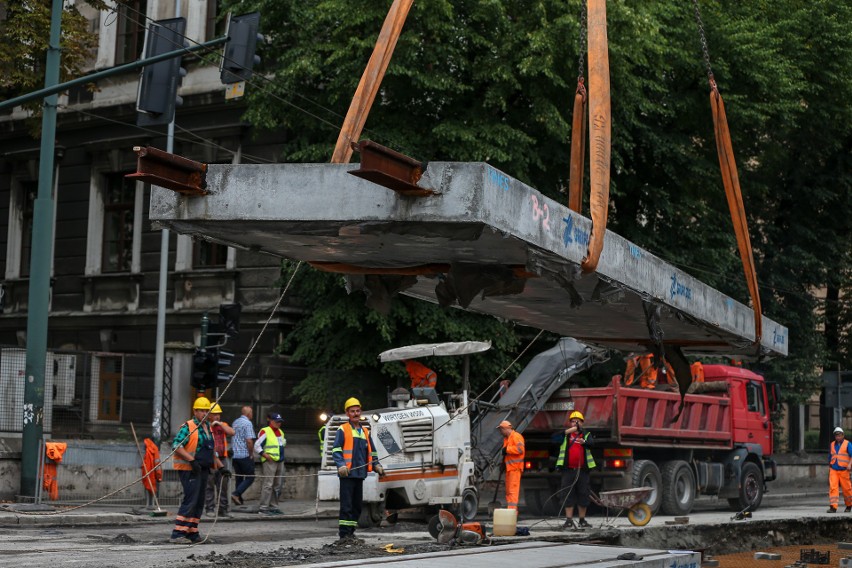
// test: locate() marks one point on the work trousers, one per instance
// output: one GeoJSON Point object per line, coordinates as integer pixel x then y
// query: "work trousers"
{"type": "Point", "coordinates": [273, 483]}
{"type": "Point", "coordinates": [192, 506]}
{"type": "Point", "coordinates": [351, 495]}
{"type": "Point", "coordinates": [243, 474]}
{"type": "Point", "coordinates": [575, 482]}
{"type": "Point", "coordinates": [513, 488]}
{"type": "Point", "coordinates": [217, 486]}
{"type": "Point", "coordinates": [839, 478]}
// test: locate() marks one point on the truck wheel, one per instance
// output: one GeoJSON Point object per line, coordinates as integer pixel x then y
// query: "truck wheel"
{"type": "Point", "coordinates": [678, 488]}
{"type": "Point", "coordinates": [469, 504]}
{"type": "Point", "coordinates": [751, 489]}
{"type": "Point", "coordinates": [647, 474]}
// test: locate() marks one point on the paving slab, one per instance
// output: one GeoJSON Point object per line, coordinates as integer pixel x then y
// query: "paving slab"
{"type": "Point", "coordinates": [536, 554]}
{"type": "Point", "coordinates": [484, 240]}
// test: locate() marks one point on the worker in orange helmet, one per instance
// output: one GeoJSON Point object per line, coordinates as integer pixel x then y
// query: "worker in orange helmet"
{"type": "Point", "coordinates": [513, 457]}
{"type": "Point", "coordinates": [838, 471]}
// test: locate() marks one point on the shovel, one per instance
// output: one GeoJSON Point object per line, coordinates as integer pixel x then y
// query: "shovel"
{"type": "Point", "coordinates": [495, 504]}
{"type": "Point", "coordinates": [159, 512]}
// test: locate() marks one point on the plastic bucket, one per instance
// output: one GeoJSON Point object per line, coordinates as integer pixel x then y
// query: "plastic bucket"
{"type": "Point", "coordinates": [505, 522]}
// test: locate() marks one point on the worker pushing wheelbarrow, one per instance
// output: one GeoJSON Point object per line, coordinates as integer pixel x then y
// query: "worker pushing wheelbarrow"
{"type": "Point", "coordinates": [631, 500]}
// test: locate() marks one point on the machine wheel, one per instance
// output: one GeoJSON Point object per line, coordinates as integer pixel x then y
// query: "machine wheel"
{"type": "Point", "coordinates": [639, 515]}
{"type": "Point", "coordinates": [678, 488]}
{"type": "Point", "coordinates": [434, 526]}
{"type": "Point", "coordinates": [647, 474]}
{"type": "Point", "coordinates": [751, 489]}
{"type": "Point", "coordinates": [371, 515]}
{"type": "Point", "coordinates": [469, 505]}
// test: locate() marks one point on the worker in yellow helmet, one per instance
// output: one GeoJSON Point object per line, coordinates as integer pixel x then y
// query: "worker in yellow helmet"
{"type": "Point", "coordinates": [193, 458]}
{"type": "Point", "coordinates": [355, 456]}
{"type": "Point", "coordinates": [218, 481]}
{"type": "Point", "coordinates": [575, 460]}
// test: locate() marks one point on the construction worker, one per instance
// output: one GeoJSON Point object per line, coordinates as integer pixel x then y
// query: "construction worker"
{"type": "Point", "coordinates": [217, 482]}
{"type": "Point", "coordinates": [269, 446]}
{"type": "Point", "coordinates": [575, 460]}
{"type": "Point", "coordinates": [513, 458]}
{"type": "Point", "coordinates": [648, 372]}
{"type": "Point", "coordinates": [838, 472]}
{"type": "Point", "coordinates": [354, 455]}
{"type": "Point", "coordinates": [193, 458]}
{"type": "Point", "coordinates": [421, 375]}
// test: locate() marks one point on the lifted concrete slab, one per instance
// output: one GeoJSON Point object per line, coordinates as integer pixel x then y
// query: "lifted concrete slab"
{"type": "Point", "coordinates": [535, 554]}
{"type": "Point", "coordinates": [479, 222]}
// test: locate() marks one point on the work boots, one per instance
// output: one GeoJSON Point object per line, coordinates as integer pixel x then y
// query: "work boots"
{"type": "Point", "coordinates": [584, 524]}
{"type": "Point", "coordinates": [847, 510]}
{"type": "Point", "coordinates": [832, 510]}
{"type": "Point", "coordinates": [569, 525]}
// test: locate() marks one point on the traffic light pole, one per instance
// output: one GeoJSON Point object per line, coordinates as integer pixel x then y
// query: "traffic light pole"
{"type": "Point", "coordinates": [40, 264]}
{"type": "Point", "coordinates": [160, 341]}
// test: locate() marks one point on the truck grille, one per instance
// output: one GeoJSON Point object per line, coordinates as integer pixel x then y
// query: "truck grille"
{"type": "Point", "coordinates": [417, 435]}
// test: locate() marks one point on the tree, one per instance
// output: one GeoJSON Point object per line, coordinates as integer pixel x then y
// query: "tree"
{"type": "Point", "coordinates": [24, 35]}
{"type": "Point", "coordinates": [341, 339]}
{"type": "Point", "coordinates": [487, 80]}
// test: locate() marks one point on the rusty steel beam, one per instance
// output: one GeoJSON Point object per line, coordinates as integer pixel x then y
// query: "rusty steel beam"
{"type": "Point", "coordinates": [390, 169]}
{"type": "Point", "coordinates": [177, 173]}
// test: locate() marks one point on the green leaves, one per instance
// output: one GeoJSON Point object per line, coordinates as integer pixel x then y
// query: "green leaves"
{"type": "Point", "coordinates": [494, 81]}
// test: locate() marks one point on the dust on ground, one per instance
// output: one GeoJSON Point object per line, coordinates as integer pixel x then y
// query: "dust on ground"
{"type": "Point", "coordinates": [284, 556]}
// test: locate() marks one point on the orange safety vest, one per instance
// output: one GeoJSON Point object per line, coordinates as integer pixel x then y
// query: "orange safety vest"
{"type": "Point", "coordinates": [841, 457]}
{"type": "Point", "coordinates": [515, 460]}
{"type": "Point", "coordinates": [349, 444]}
{"type": "Point", "coordinates": [421, 375]}
{"type": "Point", "coordinates": [648, 372]}
{"type": "Point", "coordinates": [189, 446]}
{"type": "Point", "coordinates": [697, 369]}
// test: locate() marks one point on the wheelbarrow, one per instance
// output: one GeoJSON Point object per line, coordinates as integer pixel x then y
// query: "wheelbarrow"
{"type": "Point", "coordinates": [631, 500]}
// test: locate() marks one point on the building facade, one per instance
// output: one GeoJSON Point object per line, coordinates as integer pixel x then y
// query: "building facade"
{"type": "Point", "coordinates": [106, 253]}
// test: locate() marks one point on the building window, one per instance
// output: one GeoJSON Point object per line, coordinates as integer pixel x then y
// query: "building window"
{"type": "Point", "coordinates": [209, 255]}
{"type": "Point", "coordinates": [130, 30]}
{"type": "Point", "coordinates": [108, 383]}
{"type": "Point", "coordinates": [20, 229]}
{"type": "Point", "coordinates": [214, 26]}
{"type": "Point", "coordinates": [119, 217]}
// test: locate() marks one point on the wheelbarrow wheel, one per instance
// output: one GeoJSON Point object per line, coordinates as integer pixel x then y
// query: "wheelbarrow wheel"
{"type": "Point", "coordinates": [639, 515]}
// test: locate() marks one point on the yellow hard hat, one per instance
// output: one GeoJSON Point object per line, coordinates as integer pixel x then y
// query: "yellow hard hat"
{"type": "Point", "coordinates": [352, 401]}
{"type": "Point", "coordinates": [201, 403]}
{"type": "Point", "coordinates": [216, 409]}
{"type": "Point", "coordinates": [578, 415]}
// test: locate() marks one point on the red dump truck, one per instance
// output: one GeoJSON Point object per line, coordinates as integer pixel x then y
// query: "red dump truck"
{"type": "Point", "coordinates": [720, 443]}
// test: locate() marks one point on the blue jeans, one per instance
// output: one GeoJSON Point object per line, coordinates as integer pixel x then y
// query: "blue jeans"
{"type": "Point", "coordinates": [244, 470]}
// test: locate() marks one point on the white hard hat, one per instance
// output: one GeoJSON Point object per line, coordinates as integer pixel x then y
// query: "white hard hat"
{"type": "Point", "coordinates": [838, 429]}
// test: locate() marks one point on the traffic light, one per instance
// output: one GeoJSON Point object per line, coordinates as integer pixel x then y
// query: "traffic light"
{"type": "Point", "coordinates": [239, 56]}
{"type": "Point", "coordinates": [229, 319]}
{"type": "Point", "coordinates": [205, 369]}
{"type": "Point", "coordinates": [158, 83]}
{"type": "Point", "coordinates": [223, 360]}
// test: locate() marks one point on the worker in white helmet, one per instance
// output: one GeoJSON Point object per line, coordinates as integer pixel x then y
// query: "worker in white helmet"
{"type": "Point", "coordinates": [838, 472]}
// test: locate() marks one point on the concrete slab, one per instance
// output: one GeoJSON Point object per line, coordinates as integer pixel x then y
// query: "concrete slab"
{"type": "Point", "coordinates": [479, 222]}
{"type": "Point", "coordinates": [536, 554]}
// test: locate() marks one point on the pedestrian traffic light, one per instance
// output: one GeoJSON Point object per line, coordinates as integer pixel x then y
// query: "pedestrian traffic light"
{"type": "Point", "coordinates": [239, 56]}
{"type": "Point", "coordinates": [158, 83]}
{"type": "Point", "coordinates": [205, 369]}
{"type": "Point", "coordinates": [223, 361]}
{"type": "Point", "coordinates": [229, 319]}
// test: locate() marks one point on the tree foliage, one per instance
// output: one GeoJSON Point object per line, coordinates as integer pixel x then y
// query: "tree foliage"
{"type": "Point", "coordinates": [24, 40]}
{"type": "Point", "coordinates": [341, 339]}
{"type": "Point", "coordinates": [493, 80]}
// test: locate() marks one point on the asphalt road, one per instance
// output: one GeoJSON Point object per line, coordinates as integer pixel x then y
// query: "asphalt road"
{"type": "Point", "coordinates": [247, 541]}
